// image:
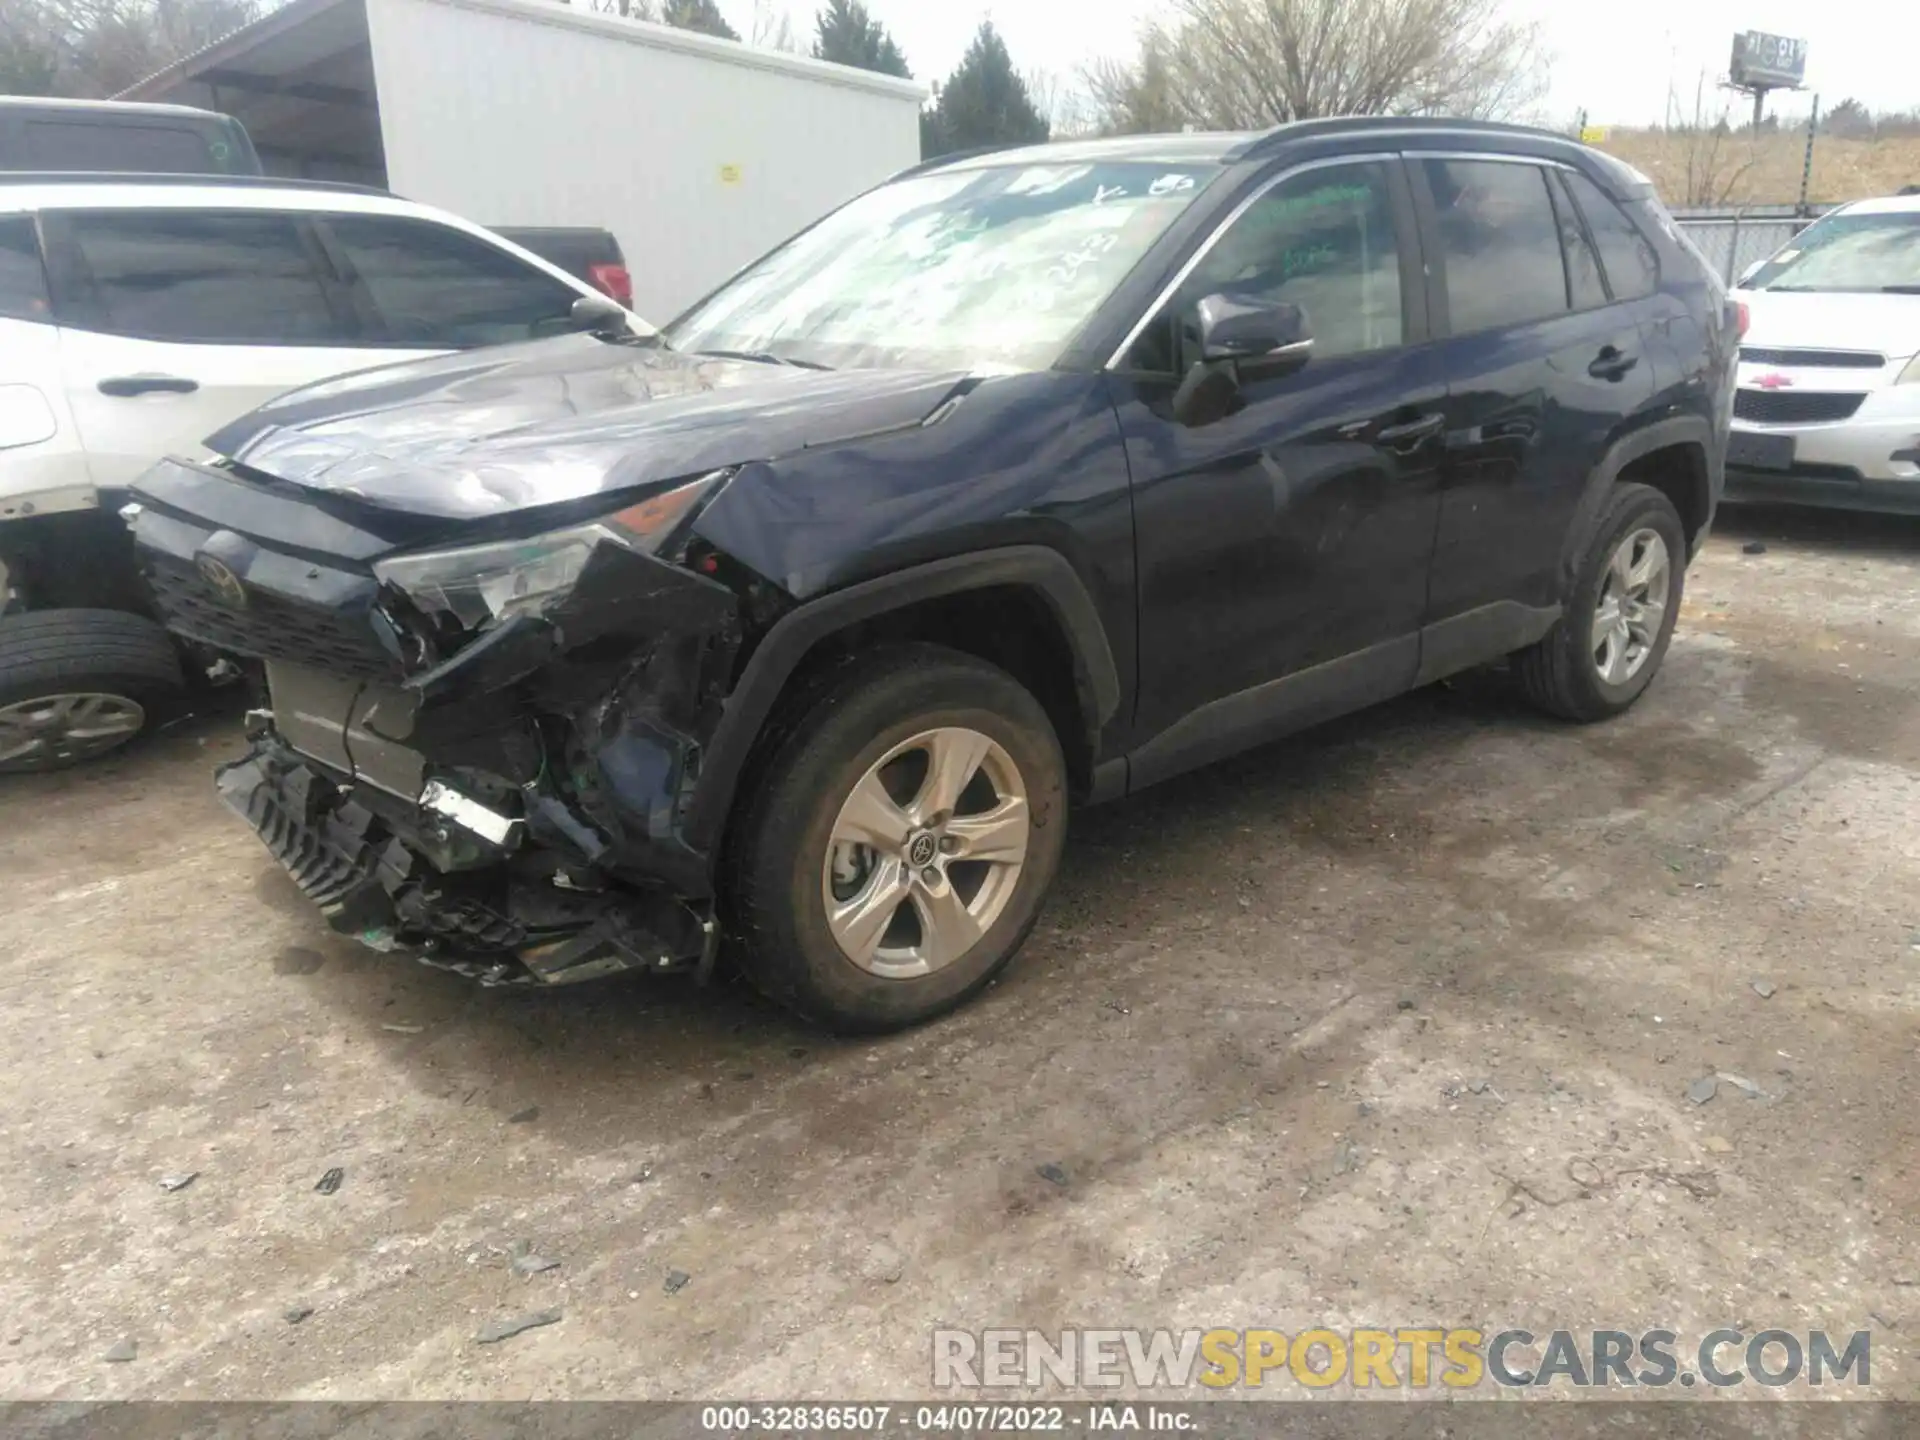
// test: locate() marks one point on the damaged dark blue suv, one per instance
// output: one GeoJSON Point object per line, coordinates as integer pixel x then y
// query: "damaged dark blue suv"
{"type": "Point", "coordinates": [1023, 478]}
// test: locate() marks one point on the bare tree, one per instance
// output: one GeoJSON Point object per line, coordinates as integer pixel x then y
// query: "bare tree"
{"type": "Point", "coordinates": [1711, 161]}
{"type": "Point", "coordinates": [1138, 97]}
{"type": "Point", "coordinates": [625, 9]}
{"type": "Point", "coordinates": [1246, 64]}
{"type": "Point", "coordinates": [99, 47]}
{"type": "Point", "coordinates": [1064, 102]}
{"type": "Point", "coordinates": [772, 28]}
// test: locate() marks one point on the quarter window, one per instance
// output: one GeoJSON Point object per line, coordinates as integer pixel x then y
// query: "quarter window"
{"type": "Point", "coordinates": [238, 278]}
{"type": "Point", "coordinates": [434, 286]}
{"type": "Point", "coordinates": [1633, 269]}
{"type": "Point", "coordinates": [1501, 243]}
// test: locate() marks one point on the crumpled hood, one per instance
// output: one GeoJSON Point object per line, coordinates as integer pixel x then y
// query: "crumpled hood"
{"type": "Point", "coordinates": [1784, 320]}
{"type": "Point", "coordinates": [491, 431]}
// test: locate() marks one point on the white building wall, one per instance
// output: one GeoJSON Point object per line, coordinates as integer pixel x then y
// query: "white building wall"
{"type": "Point", "coordinates": [698, 154]}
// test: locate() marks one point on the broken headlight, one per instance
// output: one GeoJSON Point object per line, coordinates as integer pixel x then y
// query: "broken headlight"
{"type": "Point", "coordinates": [478, 585]}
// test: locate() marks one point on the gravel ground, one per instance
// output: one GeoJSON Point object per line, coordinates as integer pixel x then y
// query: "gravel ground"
{"type": "Point", "coordinates": [1391, 1024]}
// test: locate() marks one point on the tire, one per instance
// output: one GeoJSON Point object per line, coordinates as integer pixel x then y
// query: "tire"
{"type": "Point", "coordinates": [1563, 673]}
{"type": "Point", "coordinates": [75, 684]}
{"type": "Point", "coordinates": [841, 733]}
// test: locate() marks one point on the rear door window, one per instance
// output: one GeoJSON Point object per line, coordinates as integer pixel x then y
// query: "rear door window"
{"type": "Point", "coordinates": [1633, 269]}
{"type": "Point", "coordinates": [1585, 287]}
{"type": "Point", "coordinates": [1500, 241]}
{"type": "Point", "coordinates": [433, 286]}
{"type": "Point", "coordinates": [23, 284]}
{"type": "Point", "coordinates": [232, 278]}
{"type": "Point", "coordinates": [88, 145]}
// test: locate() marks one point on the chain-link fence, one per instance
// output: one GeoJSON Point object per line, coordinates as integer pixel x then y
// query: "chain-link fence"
{"type": "Point", "coordinates": [1734, 239]}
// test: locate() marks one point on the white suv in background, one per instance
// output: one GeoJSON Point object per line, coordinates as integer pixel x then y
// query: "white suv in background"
{"type": "Point", "coordinates": [139, 314]}
{"type": "Point", "coordinates": [1828, 406]}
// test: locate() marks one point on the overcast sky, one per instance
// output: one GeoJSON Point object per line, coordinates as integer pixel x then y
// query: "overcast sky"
{"type": "Point", "coordinates": [1617, 60]}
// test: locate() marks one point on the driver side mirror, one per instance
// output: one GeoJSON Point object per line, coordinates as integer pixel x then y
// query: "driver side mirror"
{"type": "Point", "coordinates": [1239, 335]}
{"type": "Point", "coordinates": [592, 315]}
{"type": "Point", "coordinates": [1247, 330]}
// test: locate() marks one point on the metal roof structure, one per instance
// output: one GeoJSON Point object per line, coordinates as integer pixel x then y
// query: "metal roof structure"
{"type": "Point", "coordinates": [302, 79]}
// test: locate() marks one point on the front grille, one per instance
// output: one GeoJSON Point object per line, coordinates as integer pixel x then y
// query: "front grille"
{"type": "Point", "coordinates": [1800, 470]}
{"type": "Point", "coordinates": [1794, 407]}
{"type": "Point", "coordinates": [269, 628]}
{"type": "Point", "coordinates": [1821, 359]}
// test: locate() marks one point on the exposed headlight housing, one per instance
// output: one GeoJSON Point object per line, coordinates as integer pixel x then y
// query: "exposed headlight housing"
{"type": "Point", "coordinates": [1910, 375]}
{"type": "Point", "coordinates": [478, 585]}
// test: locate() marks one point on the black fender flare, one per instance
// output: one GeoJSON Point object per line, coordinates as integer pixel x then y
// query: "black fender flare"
{"type": "Point", "coordinates": [1675, 430]}
{"type": "Point", "coordinates": [1044, 571]}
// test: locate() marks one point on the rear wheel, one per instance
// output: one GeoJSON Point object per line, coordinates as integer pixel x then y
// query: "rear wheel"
{"type": "Point", "coordinates": [1619, 618]}
{"type": "Point", "coordinates": [904, 837]}
{"type": "Point", "coordinates": [75, 684]}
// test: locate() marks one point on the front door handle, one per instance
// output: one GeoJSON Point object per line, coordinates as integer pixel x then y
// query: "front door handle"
{"type": "Point", "coordinates": [1612, 364]}
{"type": "Point", "coordinates": [148, 384]}
{"type": "Point", "coordinates": [1410, 434]}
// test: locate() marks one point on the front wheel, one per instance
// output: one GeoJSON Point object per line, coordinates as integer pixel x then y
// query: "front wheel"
{"type": "Point", "coordinates": [898, 850]}
{"type": "Point", "coordinates": [75, 684]}
{"type": "Point", "coordinates": [1626, 594]}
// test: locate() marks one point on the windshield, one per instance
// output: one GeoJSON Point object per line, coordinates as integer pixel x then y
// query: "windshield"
{"type": "Point", "coordinates": [992, 268]}
{"type": "Point", "coordinates": [1849, 252]}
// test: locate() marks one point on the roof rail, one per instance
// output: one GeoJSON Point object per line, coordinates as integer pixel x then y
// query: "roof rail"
{"type": "Point", "coordinates": [1283, 135]}
{"type": "Point", "coordinates": [1258, 144]}
{"type": "Point", "coordinates": [154, 177]}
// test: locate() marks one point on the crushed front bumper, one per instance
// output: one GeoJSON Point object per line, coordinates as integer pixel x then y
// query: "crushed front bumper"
{"type": "Point", "coordinates": [511, 803]}
{"type": "Point", "coordinates": [510, 915]}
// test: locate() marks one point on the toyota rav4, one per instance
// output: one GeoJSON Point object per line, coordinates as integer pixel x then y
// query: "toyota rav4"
{"type": "Point", "coordinates": [1022, 479]}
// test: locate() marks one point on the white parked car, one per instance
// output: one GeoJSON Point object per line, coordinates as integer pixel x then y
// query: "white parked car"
{"type": "Point", "coordinates": [139, 314]}
{"type": "Point", "coordinates": [1828, 406]}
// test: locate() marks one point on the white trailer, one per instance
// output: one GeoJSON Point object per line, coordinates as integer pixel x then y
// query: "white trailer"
{"type": "Point", "coordinates": [698, 154]}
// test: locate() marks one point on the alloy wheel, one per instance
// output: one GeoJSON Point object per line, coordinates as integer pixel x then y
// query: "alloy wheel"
{"type": "Point", "coordinates": [1632, 606]}
{"type": "Point", "coordinates": [925, 852]}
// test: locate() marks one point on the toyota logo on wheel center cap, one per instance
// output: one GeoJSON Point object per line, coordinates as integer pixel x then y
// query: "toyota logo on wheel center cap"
{"type": "Point", "coordinates": [921, 850]}
{"type": "Point", "coordinates": [226, 585]}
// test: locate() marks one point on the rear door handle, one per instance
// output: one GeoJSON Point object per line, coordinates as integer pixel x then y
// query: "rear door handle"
{"type": "Point", "coordinates": [1409, 434]}
{"type": "Point", "coordinates": [1611, 364]}
{"type": "Point", "coordinates": [148, 384]}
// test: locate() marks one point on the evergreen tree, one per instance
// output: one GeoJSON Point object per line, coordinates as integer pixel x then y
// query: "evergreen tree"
{"type": "Point", "coordinates": [701, 15]}
{"type": "Point", "coordinates": [983, 103]}
{"type": "Point", "coordinates": [847, 35]}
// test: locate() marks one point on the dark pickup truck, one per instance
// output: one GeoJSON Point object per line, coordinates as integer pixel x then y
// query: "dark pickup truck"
{"type": "Point", "coordinates": [584, 251]}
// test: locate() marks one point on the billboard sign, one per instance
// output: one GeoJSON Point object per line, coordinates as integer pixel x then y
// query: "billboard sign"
{"type": "Point", "coordinates": [1768, 62]}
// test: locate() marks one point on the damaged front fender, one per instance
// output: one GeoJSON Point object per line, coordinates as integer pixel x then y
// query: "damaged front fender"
{"type": "Point", "coordinates": [626, 676]}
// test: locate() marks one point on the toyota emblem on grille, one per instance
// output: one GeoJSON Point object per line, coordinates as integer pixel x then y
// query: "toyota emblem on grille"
{"type": "Point", "coordinates": [227, 588]}
{"type": "Point", "coordinates": [1774, 381]}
